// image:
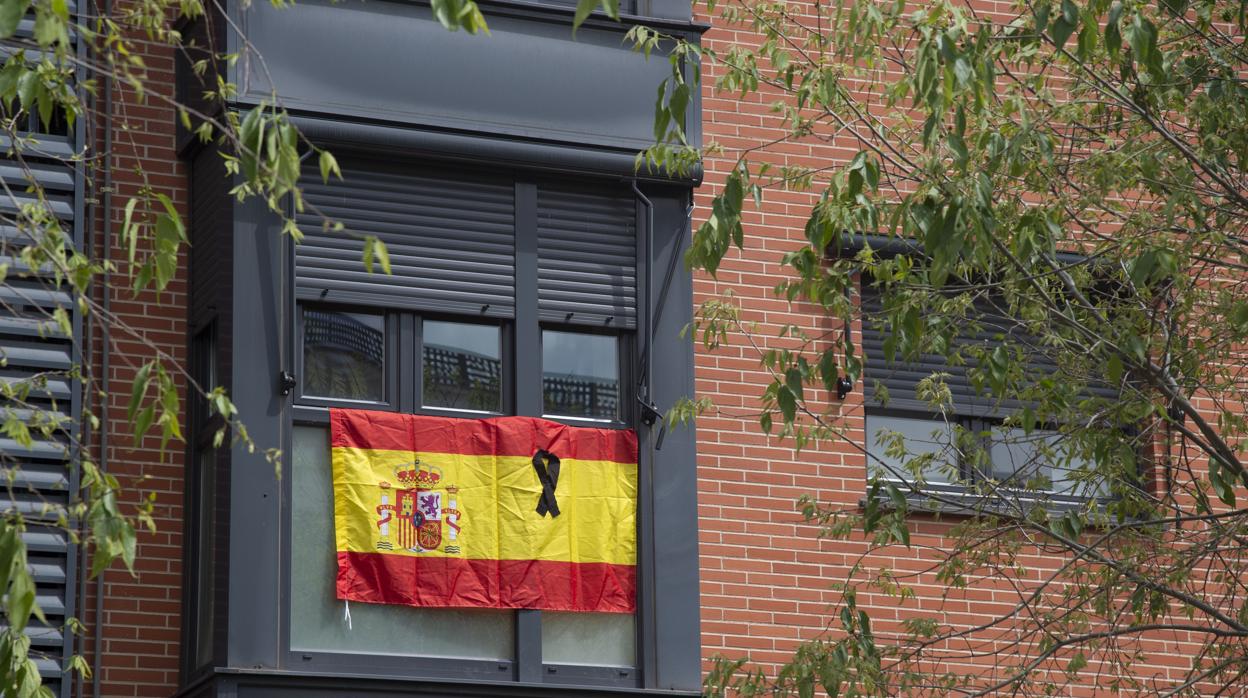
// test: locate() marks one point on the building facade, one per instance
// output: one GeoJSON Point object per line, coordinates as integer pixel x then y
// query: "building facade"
{"type": "Point", "coordinates": [536, 272]}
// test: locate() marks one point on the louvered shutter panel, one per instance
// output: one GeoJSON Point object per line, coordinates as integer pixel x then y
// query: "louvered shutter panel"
{"type": "Point", "coordinates": [587, 256]}
{"type": "Point", "coordinates": [450, 236]}
{"type": "Point", "coordinates": [37, 354]}
{"type": "Point", "coordinates": [900, 378]}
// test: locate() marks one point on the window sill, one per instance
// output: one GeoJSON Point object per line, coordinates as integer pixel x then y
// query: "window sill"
{"type": "Point", "coordinates": [245, 683]}
{"type": "Point", "coordinates": [531, 9]}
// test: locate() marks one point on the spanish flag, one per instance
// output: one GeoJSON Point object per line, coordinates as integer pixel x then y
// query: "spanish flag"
{"type": "Point", "coordinates": [512, 512]}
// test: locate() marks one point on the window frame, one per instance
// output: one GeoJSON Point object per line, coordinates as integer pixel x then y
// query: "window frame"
{"type": "Point", "coordinates": [404, 393]}
{"type": "Point", "coordinates": [257, 304]}
{"type": "Point", "coordinates": [314, 412]}
{"type": "Point", "coordinates": [204, 360]}
{"type": "Point", "coordinates": [967, 418]}
{"type": "Point", "coordinates": [980, 426]}
{"type": "Point", "coordinates": [626, 346]}
{"type": "Point", "coordinates": [390, 368]}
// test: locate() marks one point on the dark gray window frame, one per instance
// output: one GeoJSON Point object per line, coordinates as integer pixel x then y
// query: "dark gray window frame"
{"type": "Point", "coordinates": [961, 497]}
{"type": "Point", "coordinates": [627, 346]}
{"type": "Point", "coordinates": [522, 395]}
{"type": "Point", "coordinates": [205, 371]}
{"type": "Point", "coordinates": [390, 363]}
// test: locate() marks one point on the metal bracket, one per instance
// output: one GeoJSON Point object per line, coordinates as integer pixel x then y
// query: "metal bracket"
{"type": "Point", "coordinates": [649, 411]}
{"type": "Point", "coordinates": [286, 382]}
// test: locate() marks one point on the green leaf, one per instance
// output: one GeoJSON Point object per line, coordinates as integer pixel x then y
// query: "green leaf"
{"type": "Point", "coordinates": [1113, 368]}
{"type": "Point", "coordinates": [375, 251]}
{"type": "Point", "coordinates": [20, 603]}
{"type": "Point", "coordinates": [329, 166]}
{"type": "Point", "coordinates": [1042, 16]}
{"type": "Point", "coordinates": [583, 10]}
{"type": "Point", "coordinates": [793, 380]}
{"type": "Point", "coordinates": [169, 236]}
{"type": "Point", "coordinates": [50, 28]}
{"type": "Point", "coordinates": [1222, 486]}
{"type": "Point", "coordinates": [1113, 33]}
{"type": "Point", "coordinates": [143, 421]}
{"type": "Point", "coordinates": [11, 13]}
{"type": "Point", "coordinates": [828, 370]}
{"type": "Point", "coordinates": [251, 136]}
{"type": "Point", "coordinates": [1061, 31]}
{"type": "Point", "coordinates": [787, 402]}
{"type": "Point", "coordinates": [138, 389]}
{"type": "Point", "coordinates": [677, 105]}
{"type": "Point", "coordinates": [1070, 12]}
{"type": "Point", "coordinates": [897, 496]}
{"type": "Point", "coordinates": [662, 115]}
{"type": "Point", "coordinates": [1143, 38]}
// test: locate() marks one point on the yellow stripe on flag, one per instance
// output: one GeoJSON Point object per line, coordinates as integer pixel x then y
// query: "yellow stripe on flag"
{"type": "Point", "coordinates": [494, 500]}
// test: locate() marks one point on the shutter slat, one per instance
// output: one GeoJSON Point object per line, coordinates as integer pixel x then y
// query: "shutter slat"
{"type": "Point", "coordinates": [900, 378]}
{"type": "Point", "coordinates": [587, 256]}
{"type": "Point", "coordinates": [33, 350]}
{"type": "Point", "coordinates": [450, 237]}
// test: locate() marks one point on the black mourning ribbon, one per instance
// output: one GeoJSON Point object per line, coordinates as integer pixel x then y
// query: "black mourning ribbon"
{"type": "Point", "coordinates": [547, 466]}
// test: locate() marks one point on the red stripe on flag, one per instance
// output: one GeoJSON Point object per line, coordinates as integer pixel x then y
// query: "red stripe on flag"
{"type": "Point", "coordinates": [502, 436]}
{"type": "Point", "coordinates": [446, 581]}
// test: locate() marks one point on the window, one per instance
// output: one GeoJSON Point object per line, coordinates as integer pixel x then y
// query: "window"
{"type": "Point", "coordinates": [344, 355]}
{"type": "Point", "coordinates": [317, 624]}
{"type": "Point", "coordinates": [947, 453]}
{"type": "Point", "coordinates": [510, 276]}
{"type": "Point", "coordinates": [504, 298]}
{"type": "Point", "coordinates": [462, 366]}
{"type": "Point", "coordinates": [203, 523]}
{"type": "Point", "coordinates": [970, 445]}
{"type": "Point", "coordinates": [580, 375]}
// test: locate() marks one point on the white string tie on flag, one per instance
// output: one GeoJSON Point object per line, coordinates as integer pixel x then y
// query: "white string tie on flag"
{"type": "Point", "coordinates": [346, 613]}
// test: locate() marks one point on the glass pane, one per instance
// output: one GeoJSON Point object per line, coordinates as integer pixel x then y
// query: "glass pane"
{"type": "Point", "coordinates": [1016, 459]}
{"type": "Point", "coordinates": [600, 639]}
{"type": "Point", "coordinates": [1038, 460]}
{"type": "Point", "coordinates": [316, 616]}
{"type": "Point", "coordinates": [580, 375]}
{"type": "Point", "coordinates": [462, 366]}
{"type": "Point", "coordinates": [919, 436]}
{"type": "Point", "coordinates": [205, 569]}
{"type": "Point", "coordinates": [344, 355]}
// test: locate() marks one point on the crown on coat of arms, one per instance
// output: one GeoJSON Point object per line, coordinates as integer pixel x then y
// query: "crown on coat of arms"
{"type": "Point", "coordinates": [452, 489]}
{"type": "Point", "coordinates": [415, 474]}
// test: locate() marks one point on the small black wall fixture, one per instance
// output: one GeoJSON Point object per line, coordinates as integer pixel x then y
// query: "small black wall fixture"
{"type": "Point", "coordinates": [286, 382]}
{"type": "Point", "coordinates": [843, 386]}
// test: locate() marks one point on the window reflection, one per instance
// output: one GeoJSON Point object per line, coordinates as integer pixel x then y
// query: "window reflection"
{"type": "Point", "coordinates": [1041, 460]}
{"type": "Point", "coordinates": [344, 355]}
{"type": "Point", "coordinates": [580, 375]}
{"type": "Point", "coordinates": [462, 366]}
{"type": "Point", "coordinates": [920, 437]}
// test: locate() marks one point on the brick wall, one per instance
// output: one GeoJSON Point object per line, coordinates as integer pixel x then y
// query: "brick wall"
{"type": "Point", "coordinates": [140, 626]}
{"type": "Point", "coordinates": [767, 579]}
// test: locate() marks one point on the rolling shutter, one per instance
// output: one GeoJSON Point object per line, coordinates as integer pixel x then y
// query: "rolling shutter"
{"type": "Point", "coordinates": [900, 378]}
{"type": "Point", "coordinates": [587, 256]}
{"type": "Point", "coordinates": [37, 354]}
{"type": "Point", "coordinates": [450, 237]}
